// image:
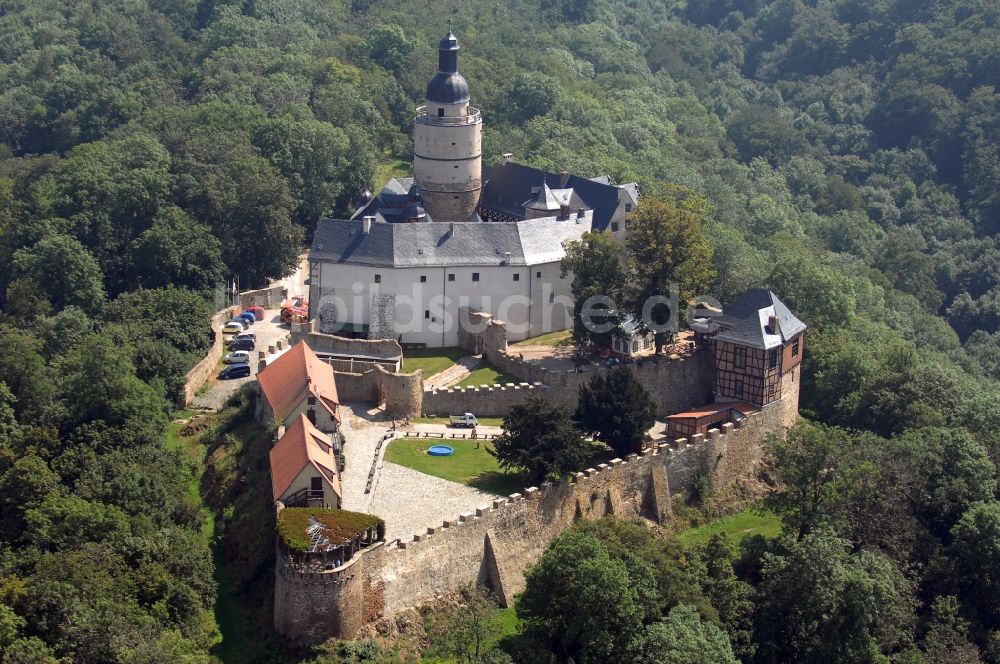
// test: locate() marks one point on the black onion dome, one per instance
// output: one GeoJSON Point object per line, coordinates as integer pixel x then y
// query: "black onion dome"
{"type": "Point", "coordinates": [448, 86]}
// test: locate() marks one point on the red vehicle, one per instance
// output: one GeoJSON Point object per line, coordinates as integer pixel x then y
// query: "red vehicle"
{"type": "Point", "coordinates": [258, 312]}
{"type": "Point", "coordinates": [295, 309]}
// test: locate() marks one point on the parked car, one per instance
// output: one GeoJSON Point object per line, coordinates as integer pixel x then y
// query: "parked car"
{"type": "Point", "coordinates": [240, 321]}
{"type": "Point", "coordinates": [258, 312]}
{"type": "Point", "coordinates": [232, 327]}
{"type": "Point", "coordinates": [246, 335]}
{"type": "Point", "coordinates": [248, 317]}
{"type": "Point", "coordinates": [464, 420]}
{"type": "Point", "coordinates": [237, 357]}
{"type": "Point", "coordinates": [241, 344]}
{"type": "Point", "coordinates": [235, 371]}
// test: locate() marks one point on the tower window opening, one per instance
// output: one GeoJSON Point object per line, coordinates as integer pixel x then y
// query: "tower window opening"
{"type": "Point", "coordinates": [440, 112]}
{"type": "Point", "coordinates": [475, 276]}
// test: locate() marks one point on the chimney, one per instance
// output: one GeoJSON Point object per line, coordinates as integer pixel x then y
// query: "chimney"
{"type": "Point", "coordinates": [278, 345]}
{"type": "Point", "coordinates": [563, 179]}
{"type": "Point", "coordinates": [564, 211]}
{"type": "Point", "coordinates": [366, 225]}
{"type": "Point", "coordinates": [772, 322]}
{"type": "Point", "coordinates": [507, 158]}
{"type": "Point", "coordinates": [581, 213]}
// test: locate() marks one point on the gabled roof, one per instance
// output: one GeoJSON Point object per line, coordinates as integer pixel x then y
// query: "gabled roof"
{"type": "Point", "coordinates": [302, 445]}
{"type": "Point", "coordinates": [745, 320]}
{"type": "Point", "coordinates": [474, 243]}
{"type": "Point", "coordinates": [548, 199]}
{"type": "Point", "coordinates": [294, 376]}
{"type": "Point", "coordinates": [509, 186]}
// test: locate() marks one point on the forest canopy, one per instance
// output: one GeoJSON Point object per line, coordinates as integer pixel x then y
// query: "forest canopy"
{"type": "Point", "coordinates": [845, 154]}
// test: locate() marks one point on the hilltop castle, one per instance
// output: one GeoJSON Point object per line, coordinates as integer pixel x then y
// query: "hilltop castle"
{"type": "Point", "coordinates": [456, 234]}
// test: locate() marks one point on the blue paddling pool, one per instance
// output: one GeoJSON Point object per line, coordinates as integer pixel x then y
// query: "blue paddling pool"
{"type": "Point", "coordinates": [440, 450]}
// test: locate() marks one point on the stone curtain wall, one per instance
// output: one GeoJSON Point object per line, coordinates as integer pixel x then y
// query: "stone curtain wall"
{"type": "Point", "coordinates": [495, 543]}
{"type": "Point", "coordinates": [403, 393]}
{"type": "Point", "coordinates": [269, 298]}
{"type": "Point", "coordinates": [675, 385]}
{"type": "Point", "coordinates": [200, 373]}
{"type": "Point", "coordinates": [330, 344]}
{"type": "Point", "coordinates": [484, 401]}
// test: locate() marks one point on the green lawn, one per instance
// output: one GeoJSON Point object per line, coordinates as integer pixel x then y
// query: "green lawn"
{"type": "Point", "coordinates": [553, 339]}
{"type": "Point", "coordinates": [470, 464]}
{"type": "Point", "coordinates": [487, 375]}
{"type": "Point", "coordinates": [390, 169]}
{"type": "Point", "coordinates": [753, 521]}
{"type": "Point", "coordinates": [431, 360]}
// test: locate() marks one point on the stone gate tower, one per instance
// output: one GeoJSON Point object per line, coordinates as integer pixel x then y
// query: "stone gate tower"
{"type": "Point", "coordinates": [447, 142]}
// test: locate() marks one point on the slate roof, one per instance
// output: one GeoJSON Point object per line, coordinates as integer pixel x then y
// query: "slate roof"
{"type": "Point", "coordinates": [295, 375]}
{"type": "Point", "coordinates": [507, 187]}
{"type": "Point", "coordinates": [302, 445]}
{"type": "Point", "coordinates": [529, 242]}
{"type": "Point", "coordinates": [745, 320]}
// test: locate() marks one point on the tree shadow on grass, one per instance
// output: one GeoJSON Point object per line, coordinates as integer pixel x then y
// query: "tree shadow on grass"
{"type": "Point", "coordinates": [500, 483]}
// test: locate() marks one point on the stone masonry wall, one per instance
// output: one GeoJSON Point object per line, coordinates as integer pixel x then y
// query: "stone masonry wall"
{"type": "Point", "coordinates": [495, 543]}
{"type": "Point", "coordinates": [199, 373]}
{"type": "Point", "coordinates": [484, 401]}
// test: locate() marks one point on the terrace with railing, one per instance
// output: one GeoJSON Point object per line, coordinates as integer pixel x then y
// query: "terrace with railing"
{"type": "Point", "coordinates": [423, 117]}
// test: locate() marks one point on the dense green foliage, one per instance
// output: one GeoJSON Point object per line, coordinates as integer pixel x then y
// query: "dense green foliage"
{"type": "Point", "coordinates": [540, 438]}
{"type": "Point", "coordinates": [842, 153]}
{"type": "Point", "coordinates": [616, 409]}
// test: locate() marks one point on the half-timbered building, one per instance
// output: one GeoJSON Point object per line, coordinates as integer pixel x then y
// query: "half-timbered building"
{"type": "Point", "coordinates": [759, 343]}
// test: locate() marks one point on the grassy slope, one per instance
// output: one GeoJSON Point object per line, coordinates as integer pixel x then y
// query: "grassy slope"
{"type": "Point", "coordinates": [431, 360]}
{"type": "Point", "coordinates": [391, 169]}
{"type": "Point", "coordinates": [552, 339]}
{"type": "Point", "coordinates": [470, 464]}
{"type": "Point", "coordinates": [753, 521]}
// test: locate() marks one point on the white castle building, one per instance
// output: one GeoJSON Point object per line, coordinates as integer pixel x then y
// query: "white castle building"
{"type": "Point", "coordinates": [457, 235]}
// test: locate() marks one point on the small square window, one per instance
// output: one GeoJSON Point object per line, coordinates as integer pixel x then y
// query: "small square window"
{"type": "Point", "coordinates": [451, 277]}
{"type": "Point", "coordinates": [427, 313]}
{"type": "Point", "coordinates": [440, 112]}
{"type": "Point", "coordinates": [628, 207]}
{"type": "Point", "coordinates": [378, 278]}
{"type": "Point", "coordinates": [517, 277]}
{"type": "Point", "coordinates": [552, 298]}
{"type": "Point", "coordinates": [475, 276]}
{"type": "Point", "coordinates": [772, 358]}
{"type": "Point", "coordinates": [614, 226]}
{"type": "Point", "coordinates": [423, 278]}
{"type": "Point", "coordinates": [538, 275]}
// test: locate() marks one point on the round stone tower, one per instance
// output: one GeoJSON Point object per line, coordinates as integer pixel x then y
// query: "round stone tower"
{"type": "Point", "coordinates": [447, 142]}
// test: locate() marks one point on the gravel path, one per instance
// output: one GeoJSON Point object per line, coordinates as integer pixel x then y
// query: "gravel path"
{"type": "Point", "coordinates": [362, 429]}
{"type": "Point", "coordinates": [408, 500]}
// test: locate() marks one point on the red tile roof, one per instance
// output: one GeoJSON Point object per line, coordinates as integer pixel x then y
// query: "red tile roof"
{"type": "Point", "coordinates": [294, 376]}
{"type": "Point", "coordinates": [715, 408]}
{"type": "Point", "coordinates": [302, 445]}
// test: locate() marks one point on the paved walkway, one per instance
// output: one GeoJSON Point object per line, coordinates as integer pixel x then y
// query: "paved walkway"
{"type": "Point", "coordinates": [454, 374]}
{"type": "Point", "coordinates": [268, 331]}
{"type": "Point", "coordinates": [408, 500]}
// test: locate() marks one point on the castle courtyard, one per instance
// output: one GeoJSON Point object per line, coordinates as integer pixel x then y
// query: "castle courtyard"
{"type": "Point", "coordinates": [409, 501]}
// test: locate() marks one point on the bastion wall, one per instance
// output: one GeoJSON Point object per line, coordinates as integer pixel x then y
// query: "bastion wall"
{"type": "Point", "coordinates": [493, 544]}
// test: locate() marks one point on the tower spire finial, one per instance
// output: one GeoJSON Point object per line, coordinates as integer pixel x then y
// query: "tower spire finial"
{"type": "Point", "coordinates": [449, 24]}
